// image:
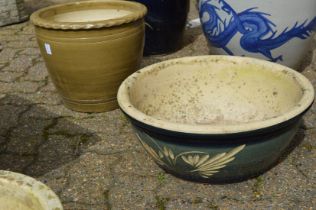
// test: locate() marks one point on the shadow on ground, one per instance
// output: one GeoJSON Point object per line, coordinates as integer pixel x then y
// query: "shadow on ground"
{"type": "Point", "coordinates": [33, 141]}
{"type": "Point", "coordinates": [190, 35]}
{"type": "Point", "coordinates": [296, 141]}
{"type": "Point", "coordinates": [307, 60]}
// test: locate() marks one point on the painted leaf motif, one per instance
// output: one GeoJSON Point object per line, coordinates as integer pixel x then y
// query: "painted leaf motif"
{"type": "Point", "coordinates": [195, 160]}
{"type": "Point", "coordinates": [207, 166]}
{"type": "Point", "coordinates": [168, 153]}
{"type": "Point", "coordinates": [160, 154]}
{"type": "Point", "coordinates": [151, 151]}
{"type": "Point", "coordinates": [201, 162]}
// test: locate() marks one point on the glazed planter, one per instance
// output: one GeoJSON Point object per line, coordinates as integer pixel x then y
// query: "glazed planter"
{"type": "Point", "coordinates": [21, 192]}
{"type": "Point", "coordinates": [89, 48]}
{"type": "Point", "coordinates": [279, 31]}
{"type": "Point", "coordinates": [165, 23]}
{"type": "Point", "coordinates": [215, 118]}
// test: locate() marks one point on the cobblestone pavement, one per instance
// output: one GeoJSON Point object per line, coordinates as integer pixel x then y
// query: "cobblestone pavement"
{"type": "Point", "coordinates": [93, 161]}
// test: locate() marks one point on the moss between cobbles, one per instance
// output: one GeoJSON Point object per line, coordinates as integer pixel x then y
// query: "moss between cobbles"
{"type": "Point", "coordinates": [309, 147]}
{"type": "Point", "coordinates": [212, 206]}
{"type": "Point", "coordinates": [197, 200]}
{"type": "Point", "coordinates": [124, 123]}
{"type": "Point", "coordinates": [258, 187]}
{"type": "Point", "coordinates": [161, 202]}
{"type": "Point", "coordinates": [47, 128]}
{"type": "Point", "coordinates": [161, 178]}
{"type": "Point", "coordinates": [106, 195]}
{"type": "Point", "coordinates": [76, 141]}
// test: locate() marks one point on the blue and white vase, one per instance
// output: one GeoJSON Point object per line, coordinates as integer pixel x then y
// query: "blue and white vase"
{"type": "Point", "coordinates": [275, 30]}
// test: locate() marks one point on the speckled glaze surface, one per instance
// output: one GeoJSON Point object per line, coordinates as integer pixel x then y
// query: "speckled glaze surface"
{"type": "Point", "coordinates": [278, 31]}
{"type": "Point", "coordinates": [215, 118]}
{"type": "Point", "coordinates": [20, 192]}
{"type": "Point", "coordinates": [89, 48]}
{"type": "Point", "coordinates": [165, 24]}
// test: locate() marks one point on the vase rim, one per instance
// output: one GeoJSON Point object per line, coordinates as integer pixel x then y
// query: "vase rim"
{"type": "Point", "coordinates": [46, 17]}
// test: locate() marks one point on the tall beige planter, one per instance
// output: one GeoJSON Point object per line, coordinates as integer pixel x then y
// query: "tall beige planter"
{"type": "Point", "coordinates": [12, 11]}
{"type": "Point", "coordinates": [89, 48]}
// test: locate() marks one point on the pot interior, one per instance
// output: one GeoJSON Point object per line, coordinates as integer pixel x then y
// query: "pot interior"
{"type": "Point", "coordinates": [90, 15]}
{"type": "Point", "coordinates": [13, 196]}
{"type": "Point", "coordinates": [88, 11]}
{"type": "Point", "coordinates": [214, 92]}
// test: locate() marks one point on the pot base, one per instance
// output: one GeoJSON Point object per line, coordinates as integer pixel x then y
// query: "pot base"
{"type": "Point", "coordinates": [217, 181]}
{"type": "Point", "coordinates": [91, 107]}
{"type": "Point", "coordinates": [223, 180]}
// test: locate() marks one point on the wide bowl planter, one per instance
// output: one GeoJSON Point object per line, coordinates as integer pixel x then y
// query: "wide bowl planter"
{"type": "Point", "coordinates": [275, 30]}
{"type": "Point", "coordinates": [21, 192]}
{"type": "Point", "coordinates": [165, 23]}
{"type": "Point", "coordinates": [89, 48]}
{"type": "Point", "coordinates": [215, 118]}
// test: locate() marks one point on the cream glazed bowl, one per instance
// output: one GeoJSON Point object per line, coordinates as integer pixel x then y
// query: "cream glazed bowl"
{"type": "Point", "coordinates": [20, 192]}
{"type": "Point", "coordinates": [215, 118]}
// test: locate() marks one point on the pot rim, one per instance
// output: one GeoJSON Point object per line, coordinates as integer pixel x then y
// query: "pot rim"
{"type": "Point", "coordinates": [129, 109]}
{"type": "Point", "coordinates": [138, 11]}
{"type": "Point", "coordinates": [43, 193]}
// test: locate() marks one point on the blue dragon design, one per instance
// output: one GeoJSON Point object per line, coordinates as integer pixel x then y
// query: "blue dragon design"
{"type": "Point", "coordinates": [257, 31]}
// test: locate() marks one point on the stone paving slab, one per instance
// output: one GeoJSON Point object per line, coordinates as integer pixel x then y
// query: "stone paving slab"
{"type": "Point", "coordinates": [94, 161]}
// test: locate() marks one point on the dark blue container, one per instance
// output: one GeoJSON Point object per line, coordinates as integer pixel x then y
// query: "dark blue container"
{"type": "Point", "coordinates": [165, 23]}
